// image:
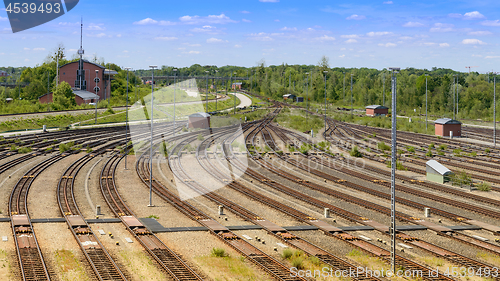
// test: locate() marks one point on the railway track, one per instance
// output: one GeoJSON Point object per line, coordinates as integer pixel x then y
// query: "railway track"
{"type": "Point", "coordinates": [103, 265]}
{"type": "Point", "coordinates": [259, 258]}
{"type": "Point", "coordinates": [166, 258]}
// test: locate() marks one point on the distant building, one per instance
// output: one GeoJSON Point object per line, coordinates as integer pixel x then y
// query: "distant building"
{"type": "Point", "coordinates": [377, 110]}
{"type": "Point", "coordinates": [236, 85]}
{"type": "Point", "coordinates": [289, 96]}
{"type": "Point", "coordinates": [446, 127]}
{"type": "Point", "coordinates": [199, 120]}
{"type": "Point", "coordinates": [69, 73]}
{"type": "Point", "coordinates": [436, 172]}
{"type": "Point", "coordinates": [300, 99]}
{"type": "Point", "coordinates": [4, 73]}
{"type": "Point", "coordinates": [81, 97]}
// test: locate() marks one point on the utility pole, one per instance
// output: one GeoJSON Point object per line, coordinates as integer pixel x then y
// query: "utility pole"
{"type": "Point", "coordinates": [457, 94]}
{"type": "Point", "coordinates": [351, 95]}
{"type": "Point", "coordinates": [383, 91]}
{"type": "Point", "coordinates": [495, 111]}
{"type": "Point", "coordinates": [96, 89]}
{"type": "Point", "coordinates": [206, 96]}
{"type": "Point", "coordinates": [393, 167]}
{"type": "Point", "coordinates": [175, 76]}
{"type": "Point", "coordinates": [216, 90]}
{"type": "Point", "coordinates": [343, 88]}
{"type": "Point", "coordinates": [325, 72]}
{"type": "Point", "coordinates": [426, 75]}
{"type": "Point", "coordinates": [453, 108]}
{"type": "Point", "coordinates": [126, 122]}
{"type": "Point", "coordinates": [151, 142]}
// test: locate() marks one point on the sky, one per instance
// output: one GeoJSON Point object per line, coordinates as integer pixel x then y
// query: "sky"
{"type": "Point", "coordinates": [375, 34]}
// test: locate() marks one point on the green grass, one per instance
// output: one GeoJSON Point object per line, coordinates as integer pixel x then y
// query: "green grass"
{"type": "Point", "coordinates": [399, 165]}
{"type": "Point", "coordinates": [355, 152]}
{"type": "Point", "coordinates": [153, 217]}
{"type": "Point", "coordinates": [382, 146]}
{"type": "Point", "coordinates": [297, 120]}
{"type": "Point", "coordinates": [484, 186]}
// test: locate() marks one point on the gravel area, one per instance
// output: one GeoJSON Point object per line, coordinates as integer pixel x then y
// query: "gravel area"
{"type": "Point", "coordinates": [9, 268]}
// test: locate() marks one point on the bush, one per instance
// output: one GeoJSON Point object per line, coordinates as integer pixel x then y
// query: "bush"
{"type": "Point", "coordinates": [218, 252]}
{"type": "Point", "coordinates": [441, 153]}
{"type": "Point", "coordinates": [484, 186]}
{"type": "Point", "coordinates": [298, 263]}
{"type": "Point", "coordinates": [432, 145]}
{"type": "Point", "coordinates": [461, 179]}
{"type": "Point", "coordinates": [355, 152]}
{"type": "Point", "coordinates": [200, 137]}
{"type": "Point", "coordinates": [287, 253]}
{"type": "Point", "coordinates": [429, 153]}
{"type": "Point", "coordinates": [382, 146]}
{"type": "Point", "coordinates": [487, 150]}
{"type": "Point", "coordinates": [153, 217]}
{"type": "Point", "coordinates": [184, 129]}
{"type": "Point", "coordinates": [399, 165]}
{"type": "Point", "coordinates": [315, 260]}
{"type": "Point", "coordinates": [410, 149]}
{"type": "Point", "coordinates": [13, 147]}
{"type": "Point", "coordinates": [443, 147]}
{"type": "Point", "coordinates": [24, 150]}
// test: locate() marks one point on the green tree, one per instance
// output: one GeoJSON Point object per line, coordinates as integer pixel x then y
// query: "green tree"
{"type": "Point", "coordinates": [63, 96]}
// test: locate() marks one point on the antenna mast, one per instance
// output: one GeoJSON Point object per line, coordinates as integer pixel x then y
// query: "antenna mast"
{"type": "Point", "coordinates": [81, 52]}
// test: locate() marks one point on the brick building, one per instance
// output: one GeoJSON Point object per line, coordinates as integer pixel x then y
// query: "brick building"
{"type": "Point", "coordinates": [236, 86]}
{"type": "Point", "coordinates": [69, 74]}
{"type": "Point", "coordinates": [4, 73]}
{"type": "Point", "coordinates": [376, 110]}
{"type": "Point", "coordinates": [446, 127]}
{"type": "Point", "coordinates": [81, 97]}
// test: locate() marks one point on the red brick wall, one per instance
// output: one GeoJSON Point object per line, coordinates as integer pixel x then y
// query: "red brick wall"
{"type": "Point", "coordinates": [444, 130]}
{"type": "Point", "coordinates": [370, 111]}
{"type": "Point", "coordinates": [67, 73]}
{"type": "Point", "coordinates": [45, 98]}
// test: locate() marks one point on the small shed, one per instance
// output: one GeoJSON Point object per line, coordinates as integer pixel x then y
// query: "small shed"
{"type": "Point", "coordinates": [448, 127]}
{"type": "Point", "coordinates": [236, 86]}
{"type": "Point", "coordinates": [377, 110]}
{"type": "Point", "coordinates": [199, 120]}
{"type": "Point", "coordinates": [289, 96]}
{"type": "Point", "coordinates": [436, 172]}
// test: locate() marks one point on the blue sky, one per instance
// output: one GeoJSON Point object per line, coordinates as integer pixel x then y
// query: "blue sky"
{"type": "Point", "coordinates": [375, 34]}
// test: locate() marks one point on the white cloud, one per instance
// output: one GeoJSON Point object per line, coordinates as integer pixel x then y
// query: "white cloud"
{"type": "Point", "coordinates": [245, 12]}
{"type": "Point", "coordinates": [429, 44]}
{"type": "Point", "coordinates": [119, 35]}
{"type": "Point", "coordinates": [479, 33]}
{"type": "Point", "coordinates": [269, 1]}
{"type": "Point", "coordinates": [472, 42]}
{"type": "Point", "coordinates": [356, 17]}
{"type": "Point", "coordinates": [38, 49]}
{"type": "Point", "coordinates": [26, 49]}
{"type": "Point", "coordinates": [491, 23]}
{"type": "Point", "coordinates": [165, 38]}
{"type": "Point", "coordinates": [237, 46]}
{"type": "Point", "coordinates": [477, 56]}
{"type": "Point", "coordinates": [378, 33]}
{"type": "Point", "coordinates": [349, 36]}
{"type": "Point", "coordinates": [215, 40]}
{"type": "Point", "coordinates": [262, 36]}
{"type": "Point", "coordinates": [405, 37]}
{"type": "Point", "coordinates": [205, 28]}
{"type": "Point", "coordinates": [277, 20]}
{"type": "Point", "coordinates": [95, 27]}
{"type": "Point", "coordinates": [442, 27]}
{"type": "Point", "coordinates": [326, 38]}
{"type": "Point", "coordinates": [453, 15]}
{"type": "Point", "coordinates": [413, 24]}
{"type": "Point", "coordinates": [342, 56]}
{"type": "Point", "coordinates": [146, 21]}
{"type": "Point", "coordinates": [192, 52]}
{"type": "Point", "coordinates": [100, 35]}
{"type": "Point", "coordinates": [387, 45]}
{"type": "Point", "coordinates": [218, 19]}
{"type": "Point", "coordinates": [3, 19]}
{"type": "Point", "coordinates": [492, 57]}
{"type": "Point", "coordinates": [444, 45]}
{"type": "Point", "coordinates": [125, 51]}
{"type": "Point", "coordinates": [289, 28]}
{"type": "Point", "coordinates": [192, 45]}
{"type": "Point", "coordinates": [388, 2]}
{"type": "Point", "coordinates": [475, 15]}
{"type": "Point", "coordinates": [351, 41]}
{"type": "Point", "coordinates": [245, 20]}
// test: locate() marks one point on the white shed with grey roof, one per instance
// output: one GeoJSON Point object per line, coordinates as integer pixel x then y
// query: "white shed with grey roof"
{"type": "Point", "coordinates": [436, 172]}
